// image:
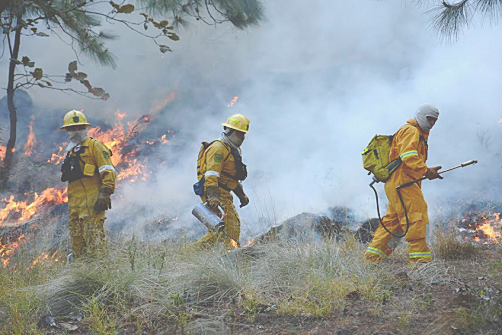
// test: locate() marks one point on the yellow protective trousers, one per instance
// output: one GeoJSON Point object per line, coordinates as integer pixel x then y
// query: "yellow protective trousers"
{"type": "Point", "coordinates": [231, 221]}
{"type": "Point", "coordinates": [86, 225]}
{"type": "Point", "coordinates": [409, 144]}
{"type": "Point", "coordinates": [87, 233]}
{"type": "Point", "coordinates": [395, 221]}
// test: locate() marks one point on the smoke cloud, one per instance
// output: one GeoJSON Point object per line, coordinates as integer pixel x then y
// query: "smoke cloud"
{"type": "Point", "coordinates": [318, 80]}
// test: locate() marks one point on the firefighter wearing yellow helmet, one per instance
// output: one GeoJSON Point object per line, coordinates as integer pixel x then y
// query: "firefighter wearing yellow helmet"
{"type": "Point", "coordinates": [90, 174]}
{"type": "Point", "coordinates": [220, 170]}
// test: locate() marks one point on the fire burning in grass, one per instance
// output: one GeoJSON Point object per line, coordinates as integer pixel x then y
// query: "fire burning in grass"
{"type": "Point", "coordinates": [8, 249]}
{"type": "Point", "coordinates": [44, 258]}
{"type": "Point", "coordinates": [250, 243]}
{"type": "Point", "coordinates": [25, 210]}
{"type": "Point", "coordinates": [233, 244]}
{"type": "Point", "coordinates": [485, 229]}
{"type": "Point", "coordinates": [126, 157]}
{"type": "Point", "coordinates": [136, 170]}
{"type": "Point", "coordinates": [3, 150]}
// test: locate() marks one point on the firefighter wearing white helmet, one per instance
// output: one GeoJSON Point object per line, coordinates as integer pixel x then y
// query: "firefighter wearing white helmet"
{"type": "Point", "coordinates": [90, 174]}
{"type": "Point", "coordinates": [220, 171]}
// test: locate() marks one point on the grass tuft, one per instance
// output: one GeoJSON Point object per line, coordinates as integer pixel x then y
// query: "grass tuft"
{"type": "Point", "coordinates": [163, 289]}
{"type": "Point", "coordinates": [449, 246]}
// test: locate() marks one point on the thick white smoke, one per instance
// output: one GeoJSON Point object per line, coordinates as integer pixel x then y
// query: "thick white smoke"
{"type": "Point", "coordinates": [317, 80]}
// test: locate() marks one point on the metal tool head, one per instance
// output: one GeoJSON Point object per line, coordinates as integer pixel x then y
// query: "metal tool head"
{"type": "Point", "coordinates": [469, 163]}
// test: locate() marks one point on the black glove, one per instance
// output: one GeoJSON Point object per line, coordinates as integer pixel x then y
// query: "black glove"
{"type": "Point", "coordinates": [104, 202]}
{"type": "Point", "coordinates": [239, 192]}
{"type": "Point", "coordinates": [212, 197]}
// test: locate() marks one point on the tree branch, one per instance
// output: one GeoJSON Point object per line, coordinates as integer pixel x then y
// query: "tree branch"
{"type": "Point", "coordinates": [4, 4]}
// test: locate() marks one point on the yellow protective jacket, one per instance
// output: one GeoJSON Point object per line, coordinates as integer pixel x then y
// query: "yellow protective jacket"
{"type": "Point", "coordinates": [410, 144]}
{"type": "Point", "coordinates": [98, 172]}
{"type": "Point", "coordinates": [218, 166]}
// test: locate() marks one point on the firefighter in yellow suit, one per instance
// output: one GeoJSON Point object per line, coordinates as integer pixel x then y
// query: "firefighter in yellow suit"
{"type": "Point", "coordinates": [89, 188]}
{"type": "Point", "coordinates": [223, 170]}
{"type": "Point", "coordinates": [409, 144]}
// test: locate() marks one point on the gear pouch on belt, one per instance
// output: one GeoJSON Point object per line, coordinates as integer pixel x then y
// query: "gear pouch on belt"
{"type": "Point", "coordinates": [89, 170]}
{"type": "Point", "coordinates": [198, 187]}
{"type": "Point", "coordinates": [70, 169]}
{"type": "Point", "coordinates": [241, 171]}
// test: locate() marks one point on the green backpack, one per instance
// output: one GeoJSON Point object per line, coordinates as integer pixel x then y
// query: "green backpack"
{"type": "Point", "coordinates": [376, 158]}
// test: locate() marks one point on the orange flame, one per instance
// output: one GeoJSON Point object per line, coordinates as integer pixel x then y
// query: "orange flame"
{"type": "Point", "coordinates": [134, 171]}
{"type": "Point", "coordinates": [43, 258]}
{"type": "Point", "coordinates": [48, 196]}
{"type": "Point", "coordinates": [233, 244]}
{"type": "Point", "coordinates": [490, 232]}
{"type": "Point", "coordinates": [57, 158]}
{"type": "Point", "coordinates": [117, 139]}
{"type": "Point", "coordinates": [3, 150]}
{"type": "Point", "coordinates": [487, 229]}
{"type": "Point", "coordinates": [7, 250]}
{"type": "Point", "coordinates": [251, 242]}
{"type": "Point", "coordinates": [120, 115]}
{"type": "Point", "coordinates": [232, 103]}
{"type": "Point", "coordinates": [31, 141]}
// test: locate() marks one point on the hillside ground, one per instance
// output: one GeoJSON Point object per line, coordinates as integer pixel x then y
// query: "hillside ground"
{"type": "Point", "coordinates": [281, 287]}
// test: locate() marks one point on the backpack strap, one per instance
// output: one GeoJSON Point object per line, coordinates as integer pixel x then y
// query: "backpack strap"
{"type": "Point", "coordinates": [229, 151]}
{"type": "Point", "coordinates": [226, 146]}
{"type": "Point", "coordinates": [206, 146]}
{"type": "Point", "coordinates": [76, 153]}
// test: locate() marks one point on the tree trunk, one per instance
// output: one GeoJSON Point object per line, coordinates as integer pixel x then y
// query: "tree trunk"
{"type": "Point", "coordinates": [9, 151]}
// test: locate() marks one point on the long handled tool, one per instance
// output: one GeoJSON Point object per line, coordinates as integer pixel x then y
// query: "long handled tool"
{"type": "Point", "coordinates": [447, 170]}
{"type": "Point", "coordinates": [409, 183]}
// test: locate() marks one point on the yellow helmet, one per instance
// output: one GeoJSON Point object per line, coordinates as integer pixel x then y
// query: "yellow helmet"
{"type": "Point", "coordinates": [74, 118]}
{"type": "Point", "coordinates": [238, 122]}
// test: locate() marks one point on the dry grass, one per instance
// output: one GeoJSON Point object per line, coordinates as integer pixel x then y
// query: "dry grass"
{"type": "Point", "coordinates": [166, 289]}
{"type": "Point", "coordinates": [448, 245]}
{"type": "Point", "coordinates": [149, 285]}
